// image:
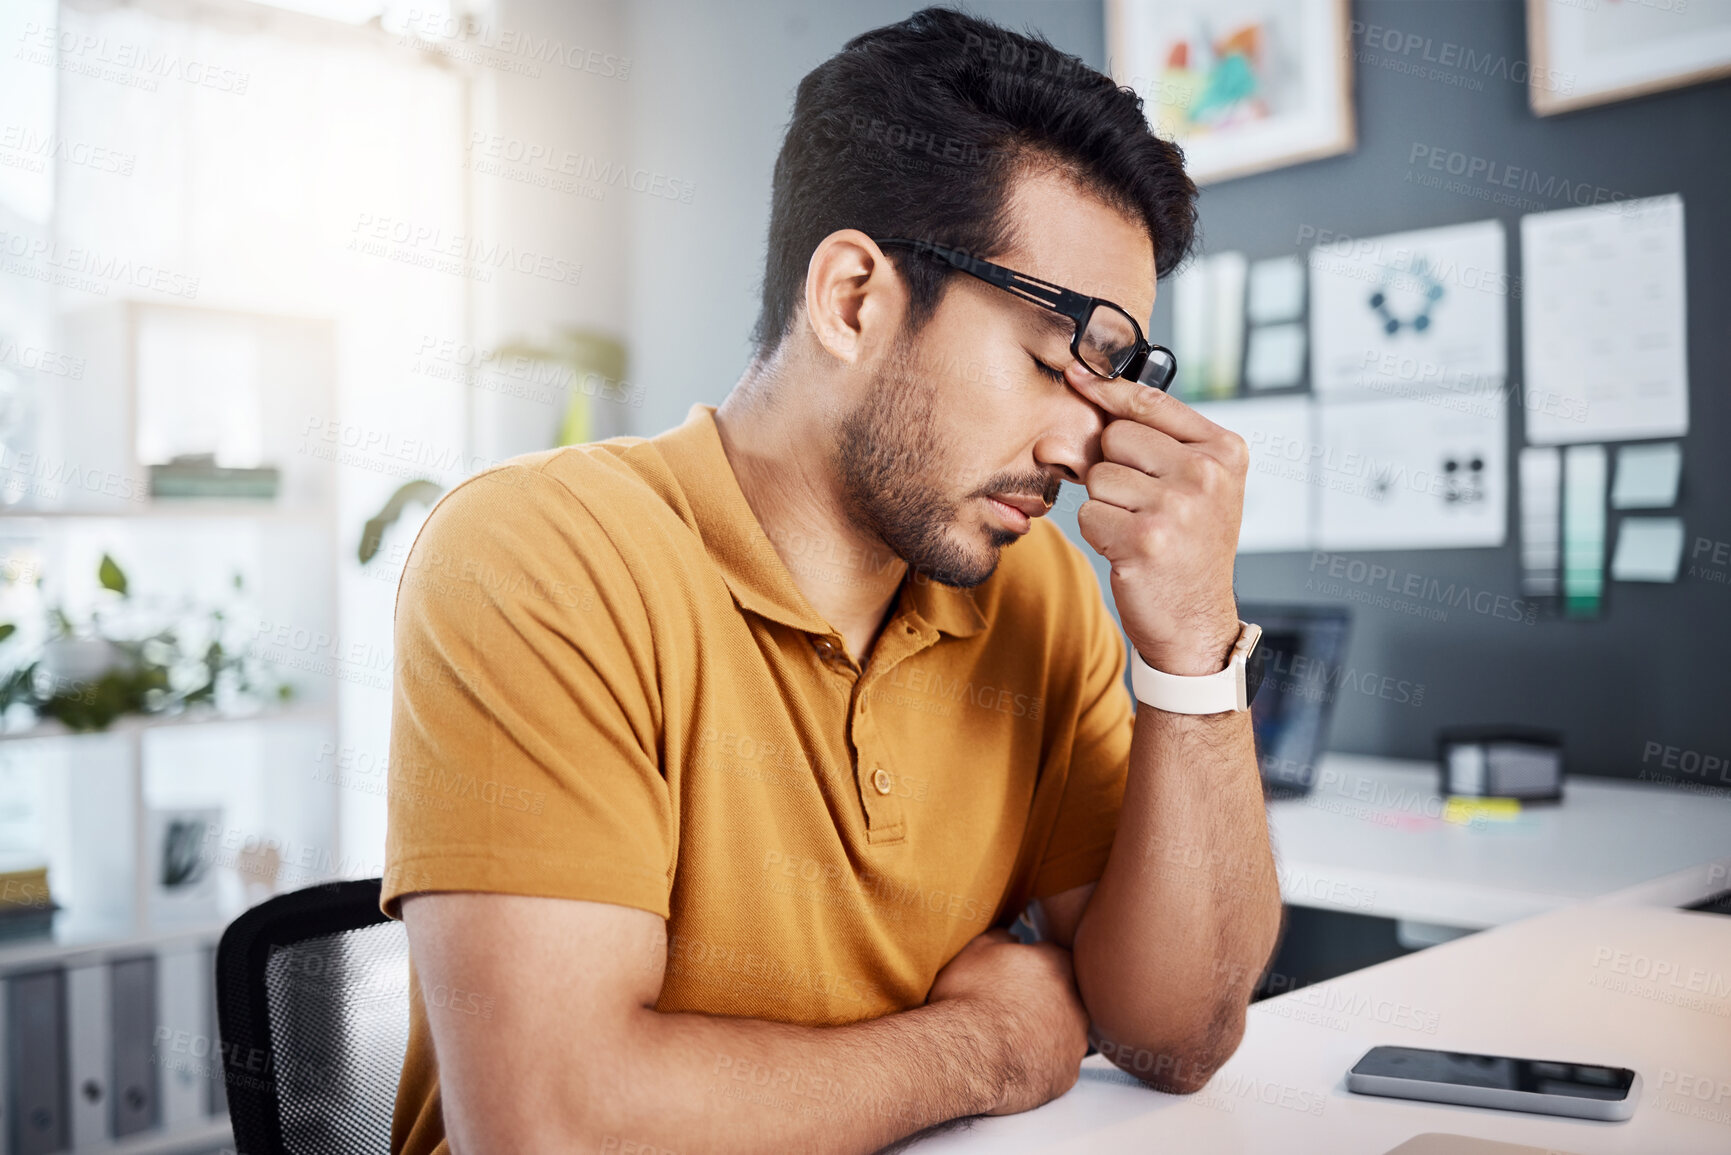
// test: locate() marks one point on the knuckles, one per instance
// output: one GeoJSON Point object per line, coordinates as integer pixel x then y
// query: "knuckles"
{"type": "Point", "coordinates": [1235, 453]}
{"type": "Point", "coordinates": [1118, 439]}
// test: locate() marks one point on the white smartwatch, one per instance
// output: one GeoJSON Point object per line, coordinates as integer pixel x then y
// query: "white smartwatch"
{"type": "Point", "coordinates": [1231, 689]}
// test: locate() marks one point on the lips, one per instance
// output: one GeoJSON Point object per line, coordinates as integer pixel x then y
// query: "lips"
{"type": "Point", "coordinates": [1030, 506]}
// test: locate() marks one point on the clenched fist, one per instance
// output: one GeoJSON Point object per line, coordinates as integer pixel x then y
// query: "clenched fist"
{"type": "Point", "coordinates": [1164, 507]}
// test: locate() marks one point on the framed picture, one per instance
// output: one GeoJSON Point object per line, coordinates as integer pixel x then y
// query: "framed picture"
{"type": "Point", "coordinates": [181, 855]}
{"type": "Point", "coordinates": [1588, 52]}
{"type": "Point", "coordinates": [1243, 86]}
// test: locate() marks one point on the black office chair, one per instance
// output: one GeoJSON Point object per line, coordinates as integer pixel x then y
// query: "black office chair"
{"type": "Point", "coordinates": [313, 1005]}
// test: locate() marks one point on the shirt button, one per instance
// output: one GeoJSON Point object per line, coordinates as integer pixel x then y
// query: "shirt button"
{"type": "Point", "coordinates": [881, 780]}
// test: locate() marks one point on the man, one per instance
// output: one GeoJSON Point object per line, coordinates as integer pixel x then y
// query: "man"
{"type": "Point", "coordinates": [722, 759]}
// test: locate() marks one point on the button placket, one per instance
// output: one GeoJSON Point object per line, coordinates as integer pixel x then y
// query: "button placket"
{"type": "Point", "coordinates": [875, 775]}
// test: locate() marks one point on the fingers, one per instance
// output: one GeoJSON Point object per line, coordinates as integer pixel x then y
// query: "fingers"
{"type": "Point", "coordinates": [1124, 486]}
{"type": "Point", "coordinates": [1108, 527]}
{"type": "Point", "coordinates": [1143, 447]}
{"type": "Point", "coordinates": [1136, 402]}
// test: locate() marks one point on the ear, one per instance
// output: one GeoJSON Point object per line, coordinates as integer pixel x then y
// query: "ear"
{"type": "Point", "coordinates": [853, 298]}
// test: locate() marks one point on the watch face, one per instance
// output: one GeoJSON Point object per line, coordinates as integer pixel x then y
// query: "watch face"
{"type": "Point", "coordinates": [1254, 668]}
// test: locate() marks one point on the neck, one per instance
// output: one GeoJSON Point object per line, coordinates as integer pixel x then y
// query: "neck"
{"type": "Point", "coordinates": [778, 441]}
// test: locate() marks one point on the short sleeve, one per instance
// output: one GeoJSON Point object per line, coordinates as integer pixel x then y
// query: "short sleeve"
{"type": "Point", "coordinates": [524, 713]}
{"type": "Point", "coordinates": [1087, 817]}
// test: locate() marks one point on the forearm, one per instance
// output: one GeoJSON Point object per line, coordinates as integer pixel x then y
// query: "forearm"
{"type": "Point", "coordinates": [1187, 910]}
{"type": "Point", "coordinates": [690, 1083]}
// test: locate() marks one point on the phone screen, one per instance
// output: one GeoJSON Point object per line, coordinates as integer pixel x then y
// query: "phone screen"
{"type": "Point", "coordinates": [1576, 1080]}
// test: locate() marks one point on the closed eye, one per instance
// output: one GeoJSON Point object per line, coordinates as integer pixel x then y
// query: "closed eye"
{"type": "Point", "coordinates": [1055, 374]}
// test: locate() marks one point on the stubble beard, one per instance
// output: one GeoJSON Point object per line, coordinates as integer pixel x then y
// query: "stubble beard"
{"type": "Point", "coordinates": [888, 458]}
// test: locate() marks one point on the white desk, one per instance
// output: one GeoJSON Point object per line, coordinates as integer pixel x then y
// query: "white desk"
{"type": "Point", "coordinates": [1547, 987]}
{"type": "Point", "coordinates": [1370, 839]}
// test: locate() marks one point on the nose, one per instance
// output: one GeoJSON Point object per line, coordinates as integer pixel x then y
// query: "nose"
{"type": "Point", "coordinates": [1071, 441]}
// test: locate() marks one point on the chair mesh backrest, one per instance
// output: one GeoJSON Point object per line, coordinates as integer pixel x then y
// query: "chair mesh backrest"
{"type": "Point", "coordinates": [339, 1026]}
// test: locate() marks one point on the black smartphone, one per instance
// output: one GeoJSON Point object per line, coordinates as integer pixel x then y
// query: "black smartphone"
{"type": "Point", "coordinates": [1581, 1090]}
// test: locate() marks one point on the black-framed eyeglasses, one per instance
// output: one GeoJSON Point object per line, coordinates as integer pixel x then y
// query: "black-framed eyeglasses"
{"type": "Point", "coordinates": [1107, 340]}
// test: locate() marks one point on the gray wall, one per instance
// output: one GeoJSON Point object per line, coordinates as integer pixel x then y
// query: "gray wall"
{"type": "Point", "coordinates": [1654, 668]}
{"type": "Point", "coordinates": [711, 98]}
{"type": "Point", "coordinates": [712, 90]}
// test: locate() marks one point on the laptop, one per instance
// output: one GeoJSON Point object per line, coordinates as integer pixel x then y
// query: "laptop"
{"type": "Point", "coordinates": [1301, 657]}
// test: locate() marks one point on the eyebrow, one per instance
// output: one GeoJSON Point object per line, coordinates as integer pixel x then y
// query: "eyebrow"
{"type": "Point", "coordinates": [1055, 323]}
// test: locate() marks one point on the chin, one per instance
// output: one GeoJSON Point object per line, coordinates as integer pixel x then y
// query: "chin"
{"type": "Point", "coordinates": [968, 566]}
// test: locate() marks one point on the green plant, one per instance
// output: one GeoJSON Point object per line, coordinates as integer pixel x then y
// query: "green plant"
{"type": "Point", "coordinates": [162, 671]}
{"type": "Point", "coordinates": [587, 353]}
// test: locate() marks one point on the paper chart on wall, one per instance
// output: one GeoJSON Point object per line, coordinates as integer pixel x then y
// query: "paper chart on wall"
{"type": "Point", "coordinates": [1408, 313]}
{"type": "Point", "coordinates": [1603, 308]}
{"type": "Point", "coordinates": [1277, 489]}
{"type": "Point", "coordinates": [1411, 474]}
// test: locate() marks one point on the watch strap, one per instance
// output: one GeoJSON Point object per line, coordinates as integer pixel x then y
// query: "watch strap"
{"type": "Point", "coordinates": [1200, 694]}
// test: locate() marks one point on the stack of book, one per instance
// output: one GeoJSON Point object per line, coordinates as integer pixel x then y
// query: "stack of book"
{"type": "Point", "coordinates": [198, 475]}
{"type": "Point", "coordinates": [26, 905]}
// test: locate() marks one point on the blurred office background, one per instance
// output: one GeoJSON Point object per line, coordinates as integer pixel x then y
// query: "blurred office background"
{"type": "Point", "coordinates": [263, 265]}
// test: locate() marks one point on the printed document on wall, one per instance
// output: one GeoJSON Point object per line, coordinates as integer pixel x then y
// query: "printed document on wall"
{"type": "Point", "coordinates": [1413, 474]}
{"type": "Point", "coordinates": [1278, 488]}
{"type": "Point", "coordinates": [1407, 313]}
{"type": "Point", "coordinates": [1603, 307]}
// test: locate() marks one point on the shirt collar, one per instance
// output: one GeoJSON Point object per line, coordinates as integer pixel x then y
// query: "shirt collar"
{"type": "Point", "coordinates": [754, 572]}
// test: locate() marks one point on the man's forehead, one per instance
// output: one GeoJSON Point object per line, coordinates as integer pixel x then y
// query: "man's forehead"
{"type": "Point", "coordinates": [1069, 236]}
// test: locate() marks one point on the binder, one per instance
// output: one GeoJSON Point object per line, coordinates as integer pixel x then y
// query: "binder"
{"type": "Point", "coordinates": [5, 1084]}
{"type": "Point", "coordinates": [133, 999]}
{"type": "Point", "coordinates": [183, 1053]}
{"type": "Point", "coordinates": [218, 1099]}
{"type": "Point", "coordinates": [90, 1063]}
{"type": "Point", "coordinates": [37, 1059]}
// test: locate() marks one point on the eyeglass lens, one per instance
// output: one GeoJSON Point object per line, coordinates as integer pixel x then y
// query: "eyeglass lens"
{"type": "Point", "coordinates": [1108, 342]}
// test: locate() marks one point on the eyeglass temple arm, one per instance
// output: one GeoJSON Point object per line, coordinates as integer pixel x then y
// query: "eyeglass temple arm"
{"type": "Point", "coordinates": [1031, 288]}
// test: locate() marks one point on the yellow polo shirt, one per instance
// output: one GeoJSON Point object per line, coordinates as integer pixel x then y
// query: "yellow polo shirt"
{"type": "Point", "coordinates": [608, 686]}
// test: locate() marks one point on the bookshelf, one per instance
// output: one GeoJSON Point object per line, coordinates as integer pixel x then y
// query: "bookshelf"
{"type": "Point", "coordinates": [236, 801]}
